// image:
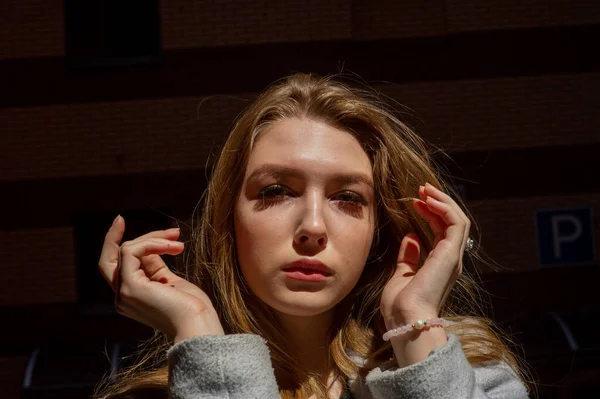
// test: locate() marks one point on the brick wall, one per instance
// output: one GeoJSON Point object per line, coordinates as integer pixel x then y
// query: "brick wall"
{"type": "Point", "coordinates": [38, 266]}
{"type": "Point", "coordinates": [508, 226]}
{"type": "Point", "coordinates": [34, 28]}
{"type": "Point", "coordinates": [464, 15]}
{"type": "Point", "coordinates": [108, 138]}
{"type": "Point", "coordinates": [100, 139]}
{"type": "Point", "coordinates": [379, 19]}
{"type": "Point", "coordinates": [229, 22]}
{"type": "Point", "coordinates": [181, 133]}
{"type": "Point", "coordinates": [31, 28]}
{"type": "Point", "coordinates": [507, 113]}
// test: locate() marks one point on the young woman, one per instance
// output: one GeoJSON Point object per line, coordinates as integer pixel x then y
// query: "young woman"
{"type": "Point", "coordinates": [325, 226]}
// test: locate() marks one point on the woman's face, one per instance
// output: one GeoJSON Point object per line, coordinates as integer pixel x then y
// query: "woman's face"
{"type": "Point", "coordinates": [304, 220]}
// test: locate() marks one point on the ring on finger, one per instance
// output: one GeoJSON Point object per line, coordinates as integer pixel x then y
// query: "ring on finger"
{"type": "Point", "coordinates": [470, 244]}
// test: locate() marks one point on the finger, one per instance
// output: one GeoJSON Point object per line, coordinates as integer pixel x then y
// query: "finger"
{"type": "Point", "coordinates": [441, 196]}
{"type": "Point", "coordinates": [133, 251]}
{"type": "Point", "coordinates": [436, 222]}
{"type": "Point", "coordinates": [110, 250]}
{"type": "Point", "coordinates": [155, 267]}
{"type": "Point", "coordinates": [437, 194]}
{"type": "Point", "coordinates": [445, 211]}
{"type": "Point", "coordinates": [430, 191]}
{"type": "Point", "coordinates": [455, 224]}
{"type": "Point", "coordinates": [422, 193]}
{"type": "Point", "coordinates": [171, 234]}
{"type": "Point", "coordinates": [443, 263]}
{"type": "Point", "coordinates": [409, 253]}
{"type": "Point", "coordinates": [439, 225]}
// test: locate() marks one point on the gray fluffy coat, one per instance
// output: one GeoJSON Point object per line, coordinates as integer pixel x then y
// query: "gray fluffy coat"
{"type": "Point", "coordinates": [239, 366]}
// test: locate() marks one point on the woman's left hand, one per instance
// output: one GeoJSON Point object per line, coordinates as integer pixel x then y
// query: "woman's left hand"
{"type": "Point", "coordinates": [418, 294]}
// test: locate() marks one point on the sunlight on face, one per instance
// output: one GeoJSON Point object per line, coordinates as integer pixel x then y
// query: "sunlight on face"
{"type": "Point", "coordinates": [304, 220]}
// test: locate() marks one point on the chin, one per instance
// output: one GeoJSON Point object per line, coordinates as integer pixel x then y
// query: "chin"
{"type": "Point", "coordinates": [303, 304]}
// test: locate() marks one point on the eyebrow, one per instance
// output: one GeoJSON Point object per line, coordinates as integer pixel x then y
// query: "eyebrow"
{"type": "Point", "coordinates": [278, 172]}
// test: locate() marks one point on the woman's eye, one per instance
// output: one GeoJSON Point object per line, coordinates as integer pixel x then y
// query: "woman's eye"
{"type": "Point", "coordinates": [272, 195]}
{"type": "Point", "coordinates": [273, 191]}
{"type": "Point", "coordinates": [350, 197]}
{"type": "Point", "coordinates": [351, 203]}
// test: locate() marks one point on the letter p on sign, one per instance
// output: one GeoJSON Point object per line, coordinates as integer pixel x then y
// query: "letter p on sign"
{"type": "Point", "coordinates": [565, 237]}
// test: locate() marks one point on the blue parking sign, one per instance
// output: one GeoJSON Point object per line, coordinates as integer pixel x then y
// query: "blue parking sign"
{"type": "Point", "coordinates": [565, 236]}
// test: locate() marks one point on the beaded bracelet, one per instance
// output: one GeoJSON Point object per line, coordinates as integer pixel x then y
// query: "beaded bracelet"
{"type": "Point", "coordinates": [417, 325]}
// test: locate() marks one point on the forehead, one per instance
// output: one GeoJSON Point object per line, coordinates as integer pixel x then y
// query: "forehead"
{"type": "Point", "coordinates": [307, 144]}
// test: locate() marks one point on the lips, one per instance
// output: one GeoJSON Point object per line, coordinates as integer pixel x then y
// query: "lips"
{"type": "Point", "coordinates": [307, 271]}
{"type": "Point", "coordinates": [308, 266]}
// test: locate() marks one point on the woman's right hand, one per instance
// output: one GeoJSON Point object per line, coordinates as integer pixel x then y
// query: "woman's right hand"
{"type": "Point", "coordinates": [147, 291]}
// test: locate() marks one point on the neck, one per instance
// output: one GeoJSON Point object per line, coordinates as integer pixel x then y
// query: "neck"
{"type": "Point", "coordinates": [309, 341]}
{"type": "Point", "coordinates": [308, 338]}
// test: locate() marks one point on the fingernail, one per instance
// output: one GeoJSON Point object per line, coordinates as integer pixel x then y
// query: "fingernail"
{"type": "Point", "coordinates": [116, 219]}
{"type": "Point", "coordinates": [427, 184]}
{"type": "Point", "coordinates": [174, 229]}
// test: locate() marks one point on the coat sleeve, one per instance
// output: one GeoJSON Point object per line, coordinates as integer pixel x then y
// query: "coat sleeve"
{"type": "Point", "coordinates": [446, 373]}
{"type": "Point", "coordinates": [232, 366]}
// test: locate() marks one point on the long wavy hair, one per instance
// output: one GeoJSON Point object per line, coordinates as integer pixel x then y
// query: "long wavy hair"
{"type": "Point", "coordinates": [401, 162]}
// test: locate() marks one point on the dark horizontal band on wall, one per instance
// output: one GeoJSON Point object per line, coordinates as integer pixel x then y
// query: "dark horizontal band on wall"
{"type": "Point", "coordinates": [484, 175]}
{"type": "Point", "coordinates": [46, 324]}
{"type": "Point", "coordinates": [526, 172]}
{"type": "Point", "coordinates": [48, 203]}
{"type": "Point", "coordinates": [512, 295]}
{"type": "Point", "coordinates": [243, 69]}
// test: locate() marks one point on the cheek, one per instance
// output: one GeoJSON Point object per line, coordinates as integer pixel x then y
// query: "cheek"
{"type": "Point", "coordinates": [254, 225]}
{"type": "Point", "coordinates": [355, 245]}
{"type": "Point", "coordinates": [246, 240]}
{"type": "Point", "coordinates": [245, 237]}
{"type": "Point", "coordinates": [258, 241]}
{"type": "Point", "coordinates": [257, 236]}
{"type": "Point", "coordinates": [357, 235]}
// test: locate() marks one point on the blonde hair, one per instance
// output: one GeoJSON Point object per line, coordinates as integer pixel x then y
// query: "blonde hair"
{"type": "Point", "coordinates": [401, 162]}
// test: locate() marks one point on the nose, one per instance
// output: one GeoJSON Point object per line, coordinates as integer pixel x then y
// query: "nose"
{"type": "Point", "coordinates": [310, 237]}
